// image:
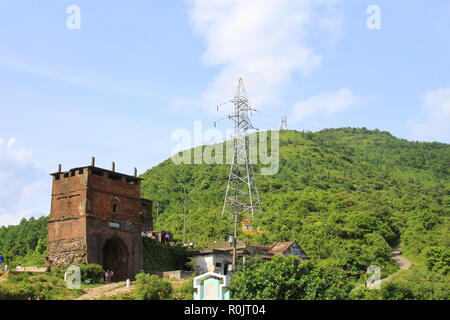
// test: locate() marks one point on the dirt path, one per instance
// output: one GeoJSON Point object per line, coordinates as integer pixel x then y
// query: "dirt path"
{"type": "Point", "coordinates": [403, 262]}
{"type": "Point", "coordinates": [119, 290]}
{"type": "Point", "coordinates": [106, 290]}
{"type": "Point", "coordinates": [4, 276]}
{"type": "Point", "coordinates": [30, 269]}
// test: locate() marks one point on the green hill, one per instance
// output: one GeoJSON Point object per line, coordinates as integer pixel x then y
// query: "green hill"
{"type": "Point", "coordinates": [346, 195]}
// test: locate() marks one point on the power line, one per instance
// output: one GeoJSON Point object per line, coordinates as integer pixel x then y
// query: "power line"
{"type": "Point", "coordinates": [439, 280]}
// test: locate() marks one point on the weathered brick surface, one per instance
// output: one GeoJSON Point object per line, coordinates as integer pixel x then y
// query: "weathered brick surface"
{"type": "Point", "coordinates": [66, 252]}
{"type": "Point", "coordinates": [97, 216]}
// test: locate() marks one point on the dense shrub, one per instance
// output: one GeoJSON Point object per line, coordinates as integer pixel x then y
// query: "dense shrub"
{"type": "Point", "coordinates": [184, 292]}
{"type": "Point", "coordinates": [417, 283]}
{"type": "Point", "coordinates": [25, 286]}
{"type": "Point", "coordinates": [93, 272]}
{"type": "Point", "coordinates": [287, 278]}
{"type": "Point", "coordinates": [151, 287]}
{"type": "Point", "coordinates": [437, 259]}
{"type": "Point", "coordinates": [415, 290]}
{"type": "Point", "coordinates": [159, 257]}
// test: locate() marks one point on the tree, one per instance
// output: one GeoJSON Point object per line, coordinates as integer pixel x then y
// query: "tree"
{"type": "Point", "coordinates": [151, 287]}
{"type": "Point", "coordinates": [93, 272]}
{"type": "Point", "coordinates": [437, 259]}
{"type": "Point", "coordinates": [287, 278]}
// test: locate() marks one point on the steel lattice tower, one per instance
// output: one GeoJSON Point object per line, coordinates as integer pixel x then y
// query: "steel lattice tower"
{"type": "Point", "coordinates": [283, 123]}
{"type": "Point", "coordinates": [241, 196]}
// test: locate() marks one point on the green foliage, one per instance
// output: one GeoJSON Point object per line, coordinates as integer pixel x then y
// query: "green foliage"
{"type": "Point", "coordinates": [286, 278]}
{"type": "Point", "coordinates": [396, 291]}
{"type": "Point", "coordinates": [417, 283]}
{"type": "Point", "coordinates": [404, 289]}
{"type": "Point", "coordinates": [34, 286]}
{"type": "Point", "coordinates": [151, 287]}
{"type": "Point", "coordinates": [345, 194]}
{"type": "Point", "coordinates": [120, 296]}
{"type": "Point", "coordinates": [184, 292]}
{"type": "Point", "coordinates": [159, 257]}
{"type": "Point", "coordinates": [25, 244]}
{"type": "Point", "coordinates": [437, 259]}
{"type": "Point", "coordinates": [93, 272]}
{"type": "Point", "coordinates": [24, 292]}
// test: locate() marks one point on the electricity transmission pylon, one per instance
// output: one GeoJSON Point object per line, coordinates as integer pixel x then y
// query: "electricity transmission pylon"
{"type": "Point", "coordinates": [283, 123]}
{"type": "Point", "coordinates": [241, 197]}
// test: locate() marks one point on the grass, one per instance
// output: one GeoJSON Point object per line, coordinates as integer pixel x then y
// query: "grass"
{"type": "Point", "coordinates": [42, 286]}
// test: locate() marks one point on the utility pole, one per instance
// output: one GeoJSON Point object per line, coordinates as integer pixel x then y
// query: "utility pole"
{"type": "Point", "coordinates": [241, 196]}
{"type": "Point", "coordinates": [185, 202]}
{"type": "Point", "coordinates": [157, 213]}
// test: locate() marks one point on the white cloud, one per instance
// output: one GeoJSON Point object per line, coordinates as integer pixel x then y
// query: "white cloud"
{"type": "Point", "coordinates": [326, 104]}
{"type": "Point", "coordinates": [24, 187]}
{"type": "Point", "coordinates": [20, 155]}
{"type": "Point", "coordinates": [266, 42]}
{"type": "Point", "coordinates": [436, 124]}
{"type": "Point", "coordinates": [11, 142]}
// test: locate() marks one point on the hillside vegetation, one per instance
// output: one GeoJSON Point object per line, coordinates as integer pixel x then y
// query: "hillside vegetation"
{"type": "Point", "coordinates": [345, 195]}
{"type": "Point", "coordinates": [25, 243]}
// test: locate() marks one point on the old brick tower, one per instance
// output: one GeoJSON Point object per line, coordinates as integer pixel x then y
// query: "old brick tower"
{"type": "Point", "coordinates": [97, 216]}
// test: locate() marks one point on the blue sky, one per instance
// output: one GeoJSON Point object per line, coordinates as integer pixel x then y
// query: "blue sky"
{"type": "Point", "coordinates": [118, 87]}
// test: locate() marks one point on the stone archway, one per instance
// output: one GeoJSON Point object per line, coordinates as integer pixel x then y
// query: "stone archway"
{"type": "Point", "coordinates": [115, 258]}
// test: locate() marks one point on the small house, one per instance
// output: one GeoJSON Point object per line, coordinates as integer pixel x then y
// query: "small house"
{"type": "Point", "coordinates": [290, 248]}
{"type": "Point", "coordinates": [219, 257]}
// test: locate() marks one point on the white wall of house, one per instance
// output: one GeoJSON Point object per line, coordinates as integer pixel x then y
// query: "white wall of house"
{"type": "Point", "coordinates": [213, 262]}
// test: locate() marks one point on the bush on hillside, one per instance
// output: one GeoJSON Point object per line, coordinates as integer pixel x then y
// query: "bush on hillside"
{"type": "Point", "coordinates": [437, 259]}
{"type": "Point", "coordinates": [185, 291]}
{"type": "Point", "coordinates": [151, 287]}
{"type": "Point", "coordinates": [287, 278]}
{"type": "Point", "coordinates": [93, 272]}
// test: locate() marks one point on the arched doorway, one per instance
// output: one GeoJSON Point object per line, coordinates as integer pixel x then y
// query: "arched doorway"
{"type": "Point", "coordinates": [115, 258]}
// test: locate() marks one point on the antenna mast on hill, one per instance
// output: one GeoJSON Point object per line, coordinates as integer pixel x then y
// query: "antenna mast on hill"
{"type": "Point", "coordinates": [241, 197]}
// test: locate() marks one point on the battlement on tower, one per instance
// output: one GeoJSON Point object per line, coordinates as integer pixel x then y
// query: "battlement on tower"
{"type": "Point", "coordinates": [99, 172]}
